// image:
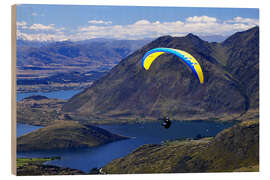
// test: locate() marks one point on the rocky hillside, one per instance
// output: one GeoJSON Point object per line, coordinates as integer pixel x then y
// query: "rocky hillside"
{"type": "Point", "coordinates": [243, 62]}
{"type": "Point", "coordinates": [233, 149]}
{"type": "Point", "coordinates": [65, 135]}
{"type": "Point", "coordinates": [169, 88]}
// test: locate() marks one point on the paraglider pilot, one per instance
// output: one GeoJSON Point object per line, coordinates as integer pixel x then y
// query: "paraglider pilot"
{"type": "Point", "coordinates": [166, 122]}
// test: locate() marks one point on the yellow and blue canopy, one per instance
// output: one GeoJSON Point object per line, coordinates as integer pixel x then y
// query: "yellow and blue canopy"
{"type": "Point", "coordinates": [153, 54]}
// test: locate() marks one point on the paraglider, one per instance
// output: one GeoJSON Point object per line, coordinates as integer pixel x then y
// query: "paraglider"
{"type": "Point", "coordinates": [185, 57]}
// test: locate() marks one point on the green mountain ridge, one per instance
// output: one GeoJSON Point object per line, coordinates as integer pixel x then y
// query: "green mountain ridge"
{"type": "Point", "coordinates": [170, 89]}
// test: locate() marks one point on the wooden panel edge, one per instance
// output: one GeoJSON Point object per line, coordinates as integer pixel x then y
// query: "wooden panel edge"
{"type": "Point", "coordinates": [13, 90]}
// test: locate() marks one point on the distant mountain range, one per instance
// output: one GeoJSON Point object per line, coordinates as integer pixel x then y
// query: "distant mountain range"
{"type": "Point", "coordinates": [97, 50]}
{"type": "Point", "coordinates": [49, 66]}
{"type": "Point", "coordinates": [231, 88]}
{"type": "Point", "coordinates": [80, 53]}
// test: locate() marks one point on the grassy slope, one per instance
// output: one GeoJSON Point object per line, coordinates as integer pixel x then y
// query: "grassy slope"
{"type": "Point", "coordinates": [39, 111]}
{"type": "Point", "coordinates": [156, 158]}
{"type": "Point", "coordinates": [234, 149]}
{"type": "Point", "coordinates": [21, 162]}
{"type": "Point", "coordinates": [34, 166]}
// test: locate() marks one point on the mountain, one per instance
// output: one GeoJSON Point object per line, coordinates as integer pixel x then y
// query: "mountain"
{"type": "Point", "coordinates": [26, 44]}
{"type": "Point", "coordinates": [234, 149]}
{"type": "Point", "coordinates": [243, 62]}
{"type": "Point", "coordinates": [65, 135]}
{"type": "Point", "coordinates": [169, 88]}
{"type": "Point", "coordinates": [52, 66]}
{"type": "Point", "coordinates": [79, 53]}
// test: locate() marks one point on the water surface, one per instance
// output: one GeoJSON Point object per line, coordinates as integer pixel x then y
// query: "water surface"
{"type": "Point", "coordinates": [142, 133]}
{"type": "Point", "coordinates": [22, 129]}
{"type": "Point", "coordinates": [63, 94]}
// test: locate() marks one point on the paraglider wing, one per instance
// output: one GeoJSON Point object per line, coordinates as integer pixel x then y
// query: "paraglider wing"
{"type": "Point", "coordinates": [192, 63]}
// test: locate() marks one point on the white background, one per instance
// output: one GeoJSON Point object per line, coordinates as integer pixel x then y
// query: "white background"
{"type": "Point", "coordinates": [5, 85]}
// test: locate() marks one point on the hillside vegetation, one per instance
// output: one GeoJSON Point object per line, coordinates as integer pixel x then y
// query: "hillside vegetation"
{"type": "Point", "coordinates": [233, 149]}
{"type": "Point", "coordinates": [40, 110]}
{"type": "Point", "coordinates": [35, 167]}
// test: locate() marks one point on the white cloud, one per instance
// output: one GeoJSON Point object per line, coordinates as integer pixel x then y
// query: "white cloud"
{"type": "Point", "coordinates": [59, 29]}
{"type": "Point", "coordinates": [196, 19]}
{"type": "Point", "coordinates": [244, 20]}
{"type": "Point", "coordinates": [41, 27]}
{"type": "Point", "coordinates": [140, 29]}
{"type": "Point", "coordinates": [199, 25]}
{"type": "Point", "coordinates": [38, 27]}
{"type": "Point", "coordinates": [142, 22]}
{"type": "Point", "coordinates": [40, 32]}
{"type": "Point", "coordinates": [41, 36]}
{"type": "Point", "coordinates": [99, 22]}
{"type": "Point", "coordinates": [21, 25]}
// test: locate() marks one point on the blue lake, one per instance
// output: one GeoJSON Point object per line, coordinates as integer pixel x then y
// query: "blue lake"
{"type": "Point", "coordinates": [22, 129]}
{"type": "Point", "coordinates": [142, 133]}
{"type": "Point", "coordinates": [64, 94]}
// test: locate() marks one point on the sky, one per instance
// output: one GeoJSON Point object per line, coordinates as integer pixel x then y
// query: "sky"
{"type": "Point", "coordinates": [76, 23]}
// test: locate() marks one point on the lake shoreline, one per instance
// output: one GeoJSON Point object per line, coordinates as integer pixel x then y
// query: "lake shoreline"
{"type": "Point", "coordinates": [147, 121]}
{"type": "Point", "coordinates": [146, 131]}
{"type": "Point", "coordinates": [50, 90]}
{"type": "Point", "coordinates": [85, 159]}
{"type": "Point", "coordinates": [106, 120]}
{"type": "Point", "coordinates": [59, 94]}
